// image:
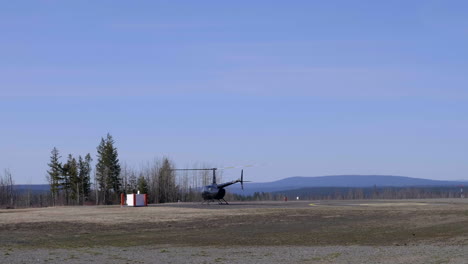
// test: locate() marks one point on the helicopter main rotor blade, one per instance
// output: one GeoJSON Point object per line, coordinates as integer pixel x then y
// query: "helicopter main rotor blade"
{"type": "Point", "coordinates": [223, 168]}
{"type": "Point", "coordinates": [193, 169]}
{"type": "Point", "coordinates": [235, 167]}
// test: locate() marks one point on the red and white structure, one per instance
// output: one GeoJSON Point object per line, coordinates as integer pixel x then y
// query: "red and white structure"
{"type": "Point", "coordinates": [134, 200]}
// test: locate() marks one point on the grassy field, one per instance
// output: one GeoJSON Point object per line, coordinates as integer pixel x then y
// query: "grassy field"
{"type": "Point", "coordinates": [307, 223]}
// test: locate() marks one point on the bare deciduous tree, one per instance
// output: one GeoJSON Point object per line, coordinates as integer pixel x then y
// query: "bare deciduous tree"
{"type": "Point", "coordinates": [7, 194]}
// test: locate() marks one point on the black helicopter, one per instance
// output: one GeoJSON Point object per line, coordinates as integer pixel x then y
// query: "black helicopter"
{"type": "Point", "coordinates": [216, 191]}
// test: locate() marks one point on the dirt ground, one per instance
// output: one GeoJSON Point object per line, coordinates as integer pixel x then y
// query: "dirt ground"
{"type": "Point", "coordinates": [264, 228]}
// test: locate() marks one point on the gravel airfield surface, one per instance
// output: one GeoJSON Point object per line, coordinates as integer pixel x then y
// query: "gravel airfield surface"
{"type": "Point", "coordinates": [329, 254]}
{"type": "Point", "coordinates": [398, 231]}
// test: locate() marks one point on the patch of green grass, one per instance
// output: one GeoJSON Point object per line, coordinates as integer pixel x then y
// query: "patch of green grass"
{"type": "Point", "coordinates": [441, 261]}
{"type": "Point", "coordinates": [334, 255]}
{"type": "Point", "coordinates": [72, 256]}
{"type": "Point", "coordinates": [164, 251]}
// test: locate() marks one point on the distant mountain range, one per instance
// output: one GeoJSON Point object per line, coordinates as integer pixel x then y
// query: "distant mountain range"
{"type": "Point", "coordinates": [293, 183]}
{"type": "Point", "coordinates": [33, 188]}
{"type": "Point", "coordinates": [339, 181]}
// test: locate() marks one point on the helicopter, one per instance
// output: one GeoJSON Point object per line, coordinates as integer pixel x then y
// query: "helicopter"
{"type": "Point", "coordinates": [216, 191]}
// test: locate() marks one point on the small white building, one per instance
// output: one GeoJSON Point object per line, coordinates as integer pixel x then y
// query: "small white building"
{"type": "Point", "coordinates": [135, 200]}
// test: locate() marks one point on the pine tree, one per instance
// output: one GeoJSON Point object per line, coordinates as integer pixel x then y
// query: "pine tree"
{"type": "Point", "coordinates": [65, 182]}
{"type": "Point", "coordinates": [84, 176]}
{"type": "Point", "coordinates": [54, 174]}
{"type": "Point", "coordinates": [166, 183]}
{"type": "Point", "coordinates": [70, 183]}
{"type": "Point", "coordinates": [142, 185]}
{"type": "Point", "coordinates": [74, 181]}
{"type": "Point", "coordinates": [108, 169]}
{"type": "Point", "coordinates": [101, 168]}
{"type": "Point", "coordinates": [114, 175]}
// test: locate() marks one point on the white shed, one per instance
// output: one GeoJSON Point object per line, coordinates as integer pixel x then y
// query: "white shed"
{"type": "Point", "coordinates": [136, 200]}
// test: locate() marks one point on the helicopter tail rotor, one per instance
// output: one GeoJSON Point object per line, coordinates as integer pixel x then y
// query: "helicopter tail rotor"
{"type": "Point", "coordinates": [242, 179]}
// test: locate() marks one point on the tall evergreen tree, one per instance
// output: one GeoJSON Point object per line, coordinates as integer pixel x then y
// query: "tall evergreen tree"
{"type": "Point", "coordinates": [102, 168]}
{"type": "Point", "coordinates": [166, 183]}
{"type": "Point", "coordinates": [65, 182]}
{"type": "Point", "coordinates": [114, 176]}
{"type": "Point", "coordinates": [84, 176]}
{"type": "Point", "coordinates": [74, 183]}
{"type": "Point", "coordinates": [69, 182]}
{"type": "Point", "coordinates": [108, 169]}
{"type": "Point", "coordinates": [54, 174]}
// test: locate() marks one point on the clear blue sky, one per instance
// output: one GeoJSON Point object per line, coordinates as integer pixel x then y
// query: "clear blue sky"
{"type": "Point", "coordinates": [299, 88]}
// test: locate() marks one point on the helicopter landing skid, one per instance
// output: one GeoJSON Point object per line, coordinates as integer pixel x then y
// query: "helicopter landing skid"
{"type": "Point", "coordinates": [220, 202]}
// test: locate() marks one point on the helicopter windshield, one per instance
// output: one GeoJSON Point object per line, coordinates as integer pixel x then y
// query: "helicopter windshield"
{"type": "Point", "coordinates": [209, 188]}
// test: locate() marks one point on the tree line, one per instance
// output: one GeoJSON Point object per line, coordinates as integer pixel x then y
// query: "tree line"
{"type": "Point", "coordinates": [74, 181]}
{"type": "Point", "coordinates": [375, 192]}
{"type": "Point", "coordinates": [71, 183]}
